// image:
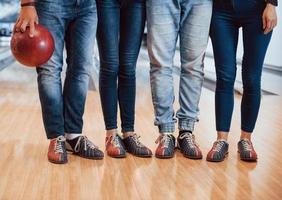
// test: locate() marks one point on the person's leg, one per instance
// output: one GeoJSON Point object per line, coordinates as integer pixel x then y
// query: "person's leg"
{"type": "Point", "coordinates": [49, 82]}
{"type": "Point", "coordinates": [224, 36]}
{"type": "Point", "coordinates": [49, 76]}
{"type": "Point", "coordinates": [108, 44]}
{"type": "Point", "coordinates": [255, 46]}
{"type": "Point", "coordinates": [194, 34]}
{"type": "Point", "coordinates": [163, 20]}
{"type": "Point", "coordinates": [224, 26]}
{"type": "Point", "coordinates": [132, 18]}
{"type": "Point", "coordinates": [80, 40]}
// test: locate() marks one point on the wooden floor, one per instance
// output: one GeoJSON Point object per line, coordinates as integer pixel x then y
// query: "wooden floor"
{"type": "Point", "coordinates": [25, 172]}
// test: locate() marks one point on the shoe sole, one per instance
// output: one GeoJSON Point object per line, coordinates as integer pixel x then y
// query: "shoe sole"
{"type": "Point", "coordinates": [212, 160]}
{"type": "Point", "coordinates": [139, 156]}
{"type": "Point", "coordinates": [57, 162]}
{"type": "Point", "coordinates": [192, 157]}
{"type": "Point", "coordinates": [119, 156]}
{"type": "Point", "coordinates": [249, 159]}
{"type": "Point", "coordinates": [164, 157]}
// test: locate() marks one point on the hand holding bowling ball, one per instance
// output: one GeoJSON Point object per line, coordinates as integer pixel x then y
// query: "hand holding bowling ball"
{"type": "Point", "coordinates": [32, 51]}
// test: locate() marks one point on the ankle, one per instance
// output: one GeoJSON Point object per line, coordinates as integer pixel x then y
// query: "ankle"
{"type": "Point", "coordinates": [112, 132]}
{"type": "Point", "coordinates": [127, 134]}
{"type": "Point", "coordinates": [222, 135]}
{"type": "Point", "coordinates": [245, 135]}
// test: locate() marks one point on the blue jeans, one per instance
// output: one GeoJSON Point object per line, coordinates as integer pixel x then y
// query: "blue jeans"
{"type": "Point", "coordinates": [119, 35]}
{"type": "Point", "coordinates": [73, 23]}
{"type": "Point", "coordinates": [245, 14]}
{"type": "Point", "coordinates": [190, 21]}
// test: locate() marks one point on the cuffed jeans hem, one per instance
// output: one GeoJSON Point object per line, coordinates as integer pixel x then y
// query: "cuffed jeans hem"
{"type": "Point", "coordinates": [125, 130]}
{"type": "Point", "coordinates": [223, 130]}
{"type": "Point", "coordinates": [166, 128]}
{"type": "Point", "coordinates": [247, 129]}
{"type": "Point", "coordinates": [111, 128]}
{"type": "Point", "coordinates": [186, 125]}
{"type": "Point", "coordinates": [51, 136]}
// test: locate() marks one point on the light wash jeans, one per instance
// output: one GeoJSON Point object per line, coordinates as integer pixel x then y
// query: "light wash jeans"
{"type": "Point", "coordinates": [72, 23]}
{"type": "Point", "coordinates": [168, 19]}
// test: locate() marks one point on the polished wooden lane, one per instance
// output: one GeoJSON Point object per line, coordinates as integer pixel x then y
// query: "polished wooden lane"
{"type": "Point", "coordinates": [25, 172]}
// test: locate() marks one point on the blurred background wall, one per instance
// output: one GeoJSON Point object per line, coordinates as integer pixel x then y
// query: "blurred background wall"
{"type": "Point", "coordinates": [272, 73]}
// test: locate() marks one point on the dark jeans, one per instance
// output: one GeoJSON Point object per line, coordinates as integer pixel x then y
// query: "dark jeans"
{"type": "Point", "coordinates": [245, 14]}
{"type": "Point", "coordinates": [119, 34]}
{"type": "Point", "coordinates": [73, 23]}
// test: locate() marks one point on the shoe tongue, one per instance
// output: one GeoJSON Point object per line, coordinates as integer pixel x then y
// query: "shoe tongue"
{"type": "Point", "coordinates": [222, 140]}
{"type": "Point", "coordinates": [187, 133]}
{"type": "Point", "coordinates": [112, 135]}
{"type": "Point", "coordinates": [245, 140]}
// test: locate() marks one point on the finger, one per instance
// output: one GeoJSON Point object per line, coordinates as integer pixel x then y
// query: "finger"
{"type": "Point", "coordinates": [263, 23]}
{"type": "Point", "coordinates": [24, 25]}
{"type": "Point", "coordinates": [18, 25]}
{"type": "Point", "coordinates": [271, 25]}
{"type": "Point", "coordinates": [266, 31]}
{"type": "Point", "coordinates": [31, 28]}
{"type": "Point", "coordinates": [268, 27]}
{"type": "Point", "coordinates": [36, 20]}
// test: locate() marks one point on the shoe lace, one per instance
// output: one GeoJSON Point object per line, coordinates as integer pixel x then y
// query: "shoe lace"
{"type": "Point", "coordinates": [164, 139]}
{"type": "Point", "coordinates": [218, 146]}
{"type": "Point", "coordinates": [59, 144]}
{"type": "Point", "coordinates": [190, 138]}
{"type": "Point", "coordinates": [246, 145]}
{"type": "Point", "coordinates": [85, 142]}
{"type": "Point", "coordinates": [135, 138]}
{"type": "Point", "coordinates": [115, 141]}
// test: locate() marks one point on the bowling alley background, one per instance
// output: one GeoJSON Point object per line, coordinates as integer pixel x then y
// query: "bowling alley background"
{"type": "Point", "coordinates": [272, 73]}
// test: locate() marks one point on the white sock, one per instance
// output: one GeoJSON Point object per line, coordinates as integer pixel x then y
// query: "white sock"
{"type": "Point", "coordinates": [166, 133]}
{"type": "Point", "coordinates": [71, 136]}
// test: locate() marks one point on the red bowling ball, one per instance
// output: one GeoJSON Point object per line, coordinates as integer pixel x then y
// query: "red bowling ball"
{"type": "Point", "coordinates": [33, 51]}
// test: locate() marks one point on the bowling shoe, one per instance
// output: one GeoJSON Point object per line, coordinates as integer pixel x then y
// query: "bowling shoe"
{"type": "Point", "coordinates": [166, 147]}
{"type": "Point", "coordinates": [134, 146]}
{"type": "Point", "coordinates": [246, 150]}
{"type": "Point", "coordinates": [57, 150]}
{"type": "Point", "coordinates": [218, 151]}
{"type": "Point", "coordinates": [83, 147]}
{"type": "Point", "coordinates": [115, 147]}
{"type": "Point", "coordinates": [188, 146]}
